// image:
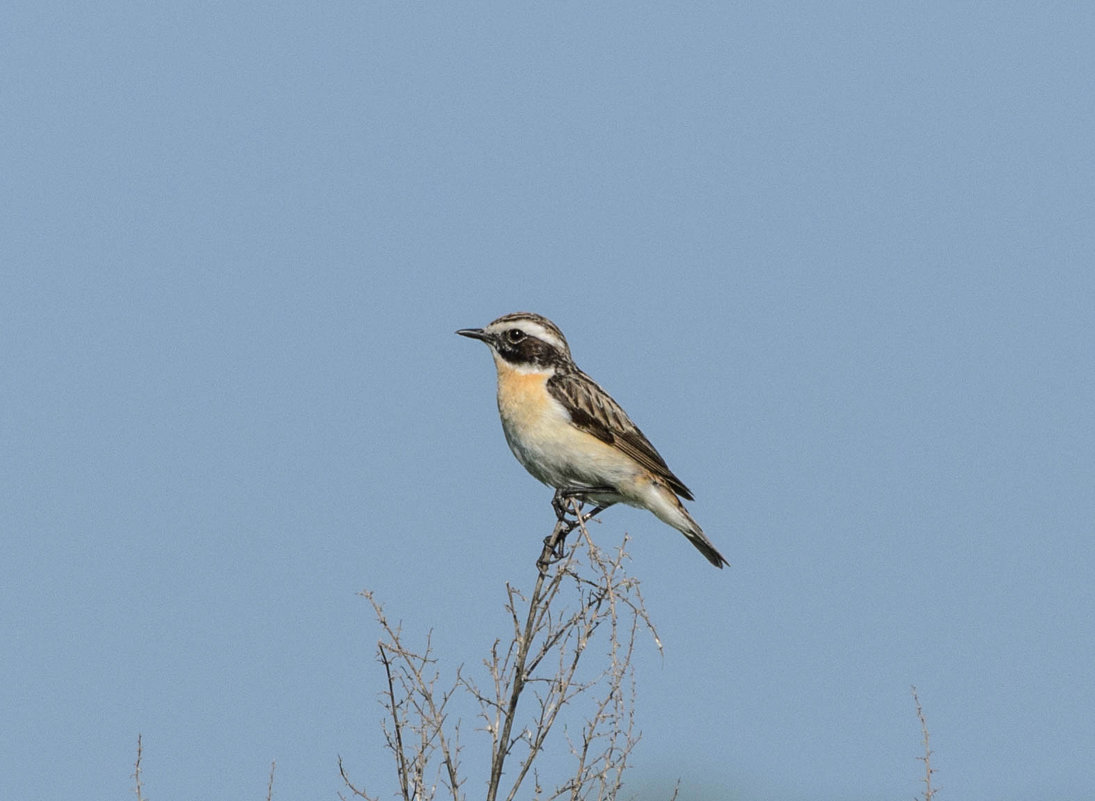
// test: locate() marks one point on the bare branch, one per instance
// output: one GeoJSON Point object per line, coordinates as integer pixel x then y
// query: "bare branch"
{"type": "Point", "coordinates": [564, 628]}
{"type": "Point", "coordinates": [137, 772]}
{"type": "Point", "coordinates": [416, 727]}
{"type": "Point", "coordinates": [929, 790]}
{"type": "Point", "coordinates": [397, 723]}
{"type": "Point", "coordinates": [581, 597]}
{"type": "Point", "coordinates": [350, 785]}
{"type": "Point", "coordinates": [270, 784]}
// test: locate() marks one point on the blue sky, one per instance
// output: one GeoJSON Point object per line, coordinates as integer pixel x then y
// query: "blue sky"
{"type": "Point", "coordinates": [836, 260]}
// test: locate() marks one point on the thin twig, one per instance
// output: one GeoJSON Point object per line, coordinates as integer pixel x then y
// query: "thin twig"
{"type": "Point", "coordinates": [350, 785]}
{"type": "Point", "coordinates": [567, 634]}
{"type": "Point", "coordinates": [400, 755]}
{"type": "Point", "coordinates": [137, 772]}
{"type": "Point", "coordinates": [524, 641]}
{"type": "Point", "coordinates": [929, 791]}
{"type": "Point", "coordinates": [551, 631]}
{"type": "Point", "coordinates": [270, 784]}
{"type": "Point", "coordinates": [417, 727]}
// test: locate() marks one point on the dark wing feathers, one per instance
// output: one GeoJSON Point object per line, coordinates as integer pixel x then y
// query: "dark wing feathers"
{"type": "Point", "coordinates": [593, 411]}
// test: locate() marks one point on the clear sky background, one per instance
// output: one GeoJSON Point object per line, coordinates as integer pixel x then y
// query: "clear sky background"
{"type": "Point", "coordinates": [837, 260]}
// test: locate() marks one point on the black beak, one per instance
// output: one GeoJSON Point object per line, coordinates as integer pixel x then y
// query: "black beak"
{"type": "Point", "coordinates": [474, 333]}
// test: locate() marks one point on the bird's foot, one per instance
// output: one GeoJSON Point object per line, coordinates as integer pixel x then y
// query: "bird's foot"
{"type": "Point", "coordinates": [554, 549]}
{"type": "Point", "coordinates": [564, 502]}
{"type": "Point", "coordinates": [569, 501]}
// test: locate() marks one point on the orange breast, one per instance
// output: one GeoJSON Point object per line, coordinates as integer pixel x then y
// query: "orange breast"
{"type": "Point", "coordinates": [522, 397]}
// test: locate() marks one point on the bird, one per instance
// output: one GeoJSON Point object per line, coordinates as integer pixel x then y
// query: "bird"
{"type": "Point", "coordinates": [571, 435]}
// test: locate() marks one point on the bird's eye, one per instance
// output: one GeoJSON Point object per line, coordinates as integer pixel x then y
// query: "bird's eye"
{"type": "Point", "coordinates": [515, 335]}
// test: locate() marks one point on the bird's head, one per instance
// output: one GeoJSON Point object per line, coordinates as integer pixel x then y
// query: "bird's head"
{"type": "Point", "coordinates": [523, 340]}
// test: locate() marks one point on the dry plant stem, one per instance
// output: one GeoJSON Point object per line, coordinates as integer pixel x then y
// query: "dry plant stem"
{"type": "Point", "coordinates": [400, 754]}
{"type": "Point", "coordinates": [502, 744]}
{"type": "Point", "coordinates": [608, 736]}
{"type": "Point", "coordinates": [436, 715]}
{"type": "Point", "coordinates": [566, 634]}
{"type": "Point", "coordinates": [270, 784]}
{"type": "Point", "coordinates": [929, 791]}
{"type": "Point", "coordinates": [417, 711]}
{"type": "Point", "coordinates": [137, 772]}
{"type": "Point", "coordinates": [538, 662]}
{"type": "Point", "coordinates": [346, 780]}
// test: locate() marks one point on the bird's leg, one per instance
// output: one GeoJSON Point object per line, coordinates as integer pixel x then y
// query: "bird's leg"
{"type": "Point", "coordinates": [596, 511]}
{"type": "Point", "coordinates": [564, 496]}
{"type": "Point", "coordinates": [560, 502]}
{"type": "Point", "coordinates": [569, 501]}
{"type": "Point", "coordinates": [566, 501]}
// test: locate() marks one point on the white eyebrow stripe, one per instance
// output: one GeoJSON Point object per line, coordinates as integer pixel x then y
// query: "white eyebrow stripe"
{"type": "Point", "coordinates": [533, 329]}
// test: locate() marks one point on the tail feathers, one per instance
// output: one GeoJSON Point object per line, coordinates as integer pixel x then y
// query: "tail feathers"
{"type": "Point", "coordinates": [664, 503]}
{"type": "Point", "coordinates": [704, 546]}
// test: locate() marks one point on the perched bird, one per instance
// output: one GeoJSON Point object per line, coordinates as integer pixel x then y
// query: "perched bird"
{"type": "Point", "coordinates": [571, 435]}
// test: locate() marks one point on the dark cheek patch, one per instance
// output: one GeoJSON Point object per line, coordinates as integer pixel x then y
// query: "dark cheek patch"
{"type": "Point", "coordinates": [536, 351]}
{"type": "Point", "coordinates": [529, 351]}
